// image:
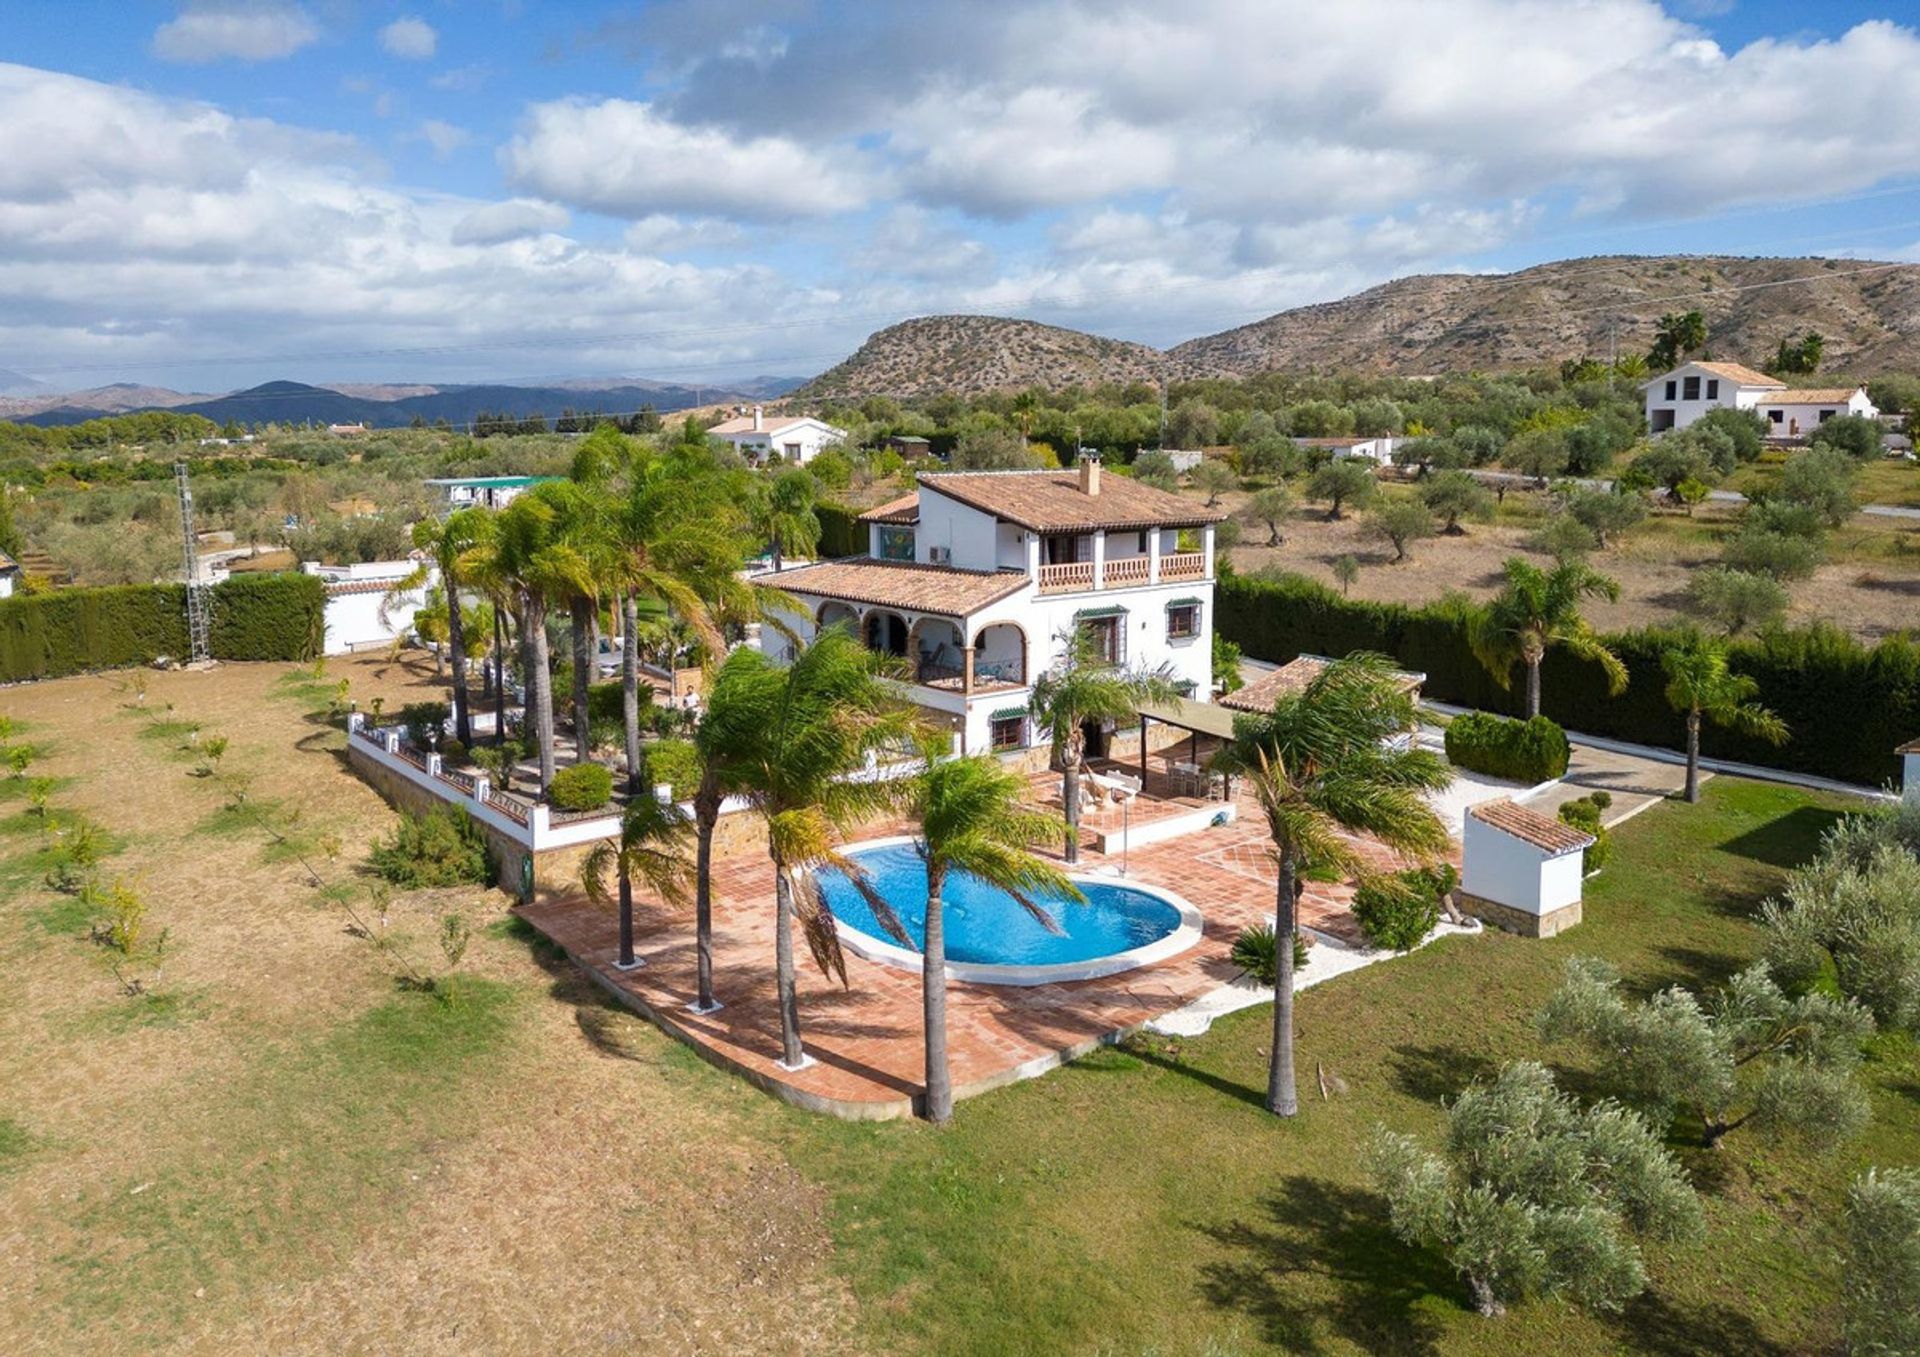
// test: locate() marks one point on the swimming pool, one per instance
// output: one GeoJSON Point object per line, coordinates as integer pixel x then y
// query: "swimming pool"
{"type": "Point", "coordinates": [992, 940]}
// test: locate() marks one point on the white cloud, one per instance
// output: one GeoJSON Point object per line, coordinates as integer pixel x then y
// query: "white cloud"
{"type": "Point", "coordinates": [444, 137]}
{"type": "Point", "coordinates": [662, 233]}
{"type": "Point", "coordinates": [461, 79]}
{"type": "Point", "coordinates": [243, 30]}
{"type": "Point", "coordinates": [410, 39]}
{"type": "Point", "coordinates": [509, 220]}
{"type": "Point", "coordinates": [626, 159]}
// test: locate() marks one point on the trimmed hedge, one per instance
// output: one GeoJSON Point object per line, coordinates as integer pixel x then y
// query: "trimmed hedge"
{"type": "Point", "coordinates": [71, 631]}
{"type": "Point", "coordinates": [1847, 705]}
{"type": "Point", "coordinates": [841, 531]}
{"type": "Point", "coordinates": [584, 786]}
{"type": "Point", "coordinates": [1530, 751]}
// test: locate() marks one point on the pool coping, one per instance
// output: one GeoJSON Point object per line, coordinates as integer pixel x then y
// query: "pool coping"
{"type": "Point", "coordinates": [1187, 934]}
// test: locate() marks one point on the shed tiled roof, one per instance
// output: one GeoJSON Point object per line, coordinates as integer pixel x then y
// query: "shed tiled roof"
{"type": "Point", "coordinates": [906, 509]}
{"type": "Point", "coordinates": [902, 584]}
{"type": "Point", "coordinates": [769, 424]}
{"type": "Point", "coordinates": [1052, 501]}
{"type": "Point", "coordinates": [1530, 826]}
{"type": "Point", "coordinates": [345, 588]}
{"type": "Point", "coordinates": [1810, 395]}
{"type": "Point", "coordinates": [1910, 747]}
{"type": "Point", "coordinates": [1293, 677]}
{"type": "Point", "coordinates": [1739, 372]}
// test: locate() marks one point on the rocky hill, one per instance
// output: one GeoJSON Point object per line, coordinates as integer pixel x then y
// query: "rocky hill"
{"type": "Point", "coordinates": [1869, 313]}
{"type": "Point", "coordinates": [971, 354]}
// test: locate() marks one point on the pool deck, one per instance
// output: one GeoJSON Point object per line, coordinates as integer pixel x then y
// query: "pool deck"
{"type": "Point", "coordinates": [865, 1040]}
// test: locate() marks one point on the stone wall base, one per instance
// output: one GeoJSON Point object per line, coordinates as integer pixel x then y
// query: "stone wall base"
{"type": "Point", "coordinates": [1526, 924]}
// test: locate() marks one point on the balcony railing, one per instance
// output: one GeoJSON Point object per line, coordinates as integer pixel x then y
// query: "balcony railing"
{"type": "Point", "coordinates": [1122, 572]}
{"type": "Point", "coordinates": [1066, 578]}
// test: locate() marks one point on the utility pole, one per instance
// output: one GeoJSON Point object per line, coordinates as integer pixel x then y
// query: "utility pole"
{"type": "Point", "coordinates": [199, 593]}
{"type": "Point", "coordinates": [1613, 352]}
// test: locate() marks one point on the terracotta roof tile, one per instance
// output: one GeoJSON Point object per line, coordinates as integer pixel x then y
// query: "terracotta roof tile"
{"type": "Point", "coordinates": [902, 584]}
{"type": "Point", "coordinates": [1910, 747]}
{"type": "Point", "coordinates": [1530, 826]}
{"type": "Point", "coordinates": [906, 509]}
{"type": "Point", "coordinates": [769, 424]}
{"type": "Point", "coordinates": [1739, 372]}
{"type": "Point", "coordinates": [1810, 395]}
{"type": "Point", "coordinates": [1292, 677]}
{"type": "Point", "coordinates": [344, 588]}
{"type": "Point", "coordinates": [1052, 501]}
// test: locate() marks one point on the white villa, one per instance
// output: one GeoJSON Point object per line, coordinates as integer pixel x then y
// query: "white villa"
{"type": "Point", "coordinates": [797, 438]}
{"type": "Point", "coordinates": [1680, 397]}
{"type": "Point", "coordinates": [1378, 449]}
{"type": "Point", "coordinates": [976, 577]}
{"type": "Point", "coordinates": [488, 492]}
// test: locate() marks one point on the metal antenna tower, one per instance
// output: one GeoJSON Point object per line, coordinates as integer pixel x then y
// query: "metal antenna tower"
{"type": "Point", "coordinates": [199, 595]}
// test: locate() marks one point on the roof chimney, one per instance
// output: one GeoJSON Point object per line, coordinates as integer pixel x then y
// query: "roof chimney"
{"type": "Point", "coordinates": [756, 419]}
{"type": "Point", "coordinates": [1089, 475]}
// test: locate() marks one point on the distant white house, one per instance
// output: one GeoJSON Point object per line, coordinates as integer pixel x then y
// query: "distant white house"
{"type": "Point", "coordinates": [489, 492]}
{"type": "Point", "coordinates": [355, 594]}
{"type": "Point", "coordinates": [1378, 449]}
{"type": "Point", "coordinates": [1678, 398]}
{"type": "Point", "coordinates": [797, 438]}
{"type": "Point", "coordinates": [9, 575]}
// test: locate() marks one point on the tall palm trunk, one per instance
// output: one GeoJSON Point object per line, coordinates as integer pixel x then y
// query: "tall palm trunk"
{"type": "Point", "coordinates": [792, 1053]}
{"type": "Point", "coordinates": [706, 817]}
{"type": "Point", "coordinates": [774, 547]}
{"type": "Point", "coordinates": [581, 639]}
{"type": "Point", "coordinates": [933, 997]}
{"type": "Point", "coordinates": [626, 915]}
{"type": "Point", "coordinates": [540, 683]}
{"type": "Point", "coordinates": [1282, 1098]}
{"type": "Point", "coordinates": [500, 677]}
{"type": "Point", "coordinates": [1070, 806]}
{"type": "Point", "coordinates": [457, 643]}
{"type": "Point", "coordinates": [1533, 653]}
{"type": "Point", "coordinates": [630, 692]}
{"type": "Point", "coordinates": [1693, 755]}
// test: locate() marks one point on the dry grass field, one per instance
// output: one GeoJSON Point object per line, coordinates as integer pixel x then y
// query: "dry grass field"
{"type": "Point", "coordinates": [279, 1148]}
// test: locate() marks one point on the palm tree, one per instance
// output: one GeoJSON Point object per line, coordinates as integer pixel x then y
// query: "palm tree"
{"type": "Point", "coordinates": [1699, 684]}
{"type": "Point", "coordinates": [782, 516]}
{"type": "Point", "coordinates": [528, 560]}
{"type": "Point", "coordinates": [826, 713]}
{"type": "Point", "coordinates": [1322, 766]}
{"type": "Point", "coordinates": [651, 846]}
{"type": "Point", "coordinates": [1082, 686]}
{"type": "Point", "coordinates": [446, 542]}
{"type": "Point", "coordinates": [585, 512]}
{"type": "Point", "coordinates": [1536, 610]}
{"type": "Point", "coordinates": [972, 820]}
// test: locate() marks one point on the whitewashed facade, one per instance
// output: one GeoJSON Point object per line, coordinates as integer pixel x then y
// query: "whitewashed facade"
{"type": "Point", "coordinates": [1676, 399]}
{"type": "Point", "coordinates": [798, 439]}
{"type": "Point", "coordinates": [359, 614]}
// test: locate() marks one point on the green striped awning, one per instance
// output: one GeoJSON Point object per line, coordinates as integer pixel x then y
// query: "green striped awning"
{"type": "Point", "coordinates": [1184, 603]}
{"type": "Point", "coordinates": [1089, 614]}
{"type": "Point", "coordinates": [1006, 713]}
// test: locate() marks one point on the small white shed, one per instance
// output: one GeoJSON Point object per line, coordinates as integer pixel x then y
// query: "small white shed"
{"type": "Point", "coordinates": [1521, 869]}
{"type": "Point", "coordinates": [357, 598]}
{"type": "Point", "coordinates": [1910, 768]}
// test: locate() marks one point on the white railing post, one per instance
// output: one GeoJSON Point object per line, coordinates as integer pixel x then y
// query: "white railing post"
{"type": "Point", "coordinates": [355, 720]}
{"type": "Point", "coordinates": [663, 793]}
{"type": "Point", "coordinates": [1206, 552]}
{"type": "Point", "coordinates": [391, 741]}
{"type": "Point", "coordinates": [539, 822]}
{"type": "Point", "coordinates": [1100, 559]}
{"type": "Point", "coordinates": [433, 765]}
{"type": "Point", "coordinates": [1153, 556]}
{"type": "Point", "coordinates": [482, 788]}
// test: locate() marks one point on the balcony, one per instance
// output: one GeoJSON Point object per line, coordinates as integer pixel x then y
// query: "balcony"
{"type": "Point", "coordinates": [1123, 572]}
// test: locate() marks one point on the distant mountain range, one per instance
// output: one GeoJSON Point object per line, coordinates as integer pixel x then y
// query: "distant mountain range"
{"type": "Point", "coordinates": [1435, 323]}
{"type": "Point", "coordinates": [389, 404]}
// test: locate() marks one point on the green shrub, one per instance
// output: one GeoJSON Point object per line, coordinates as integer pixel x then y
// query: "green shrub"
{"type": "Point", "coordinates": [675, 763]}
{"type": "Point", "coordinates": [603, 703]}
{"type": "Point", "coordinates": [1253, 952]}
{"type": "Point", "coordinates": [1528, 751]}
{"type": "Point", "coordinates": [585, 786]}
{"type": "Point", "coordinates": [1584, 815]}
{"type": "Point", "coordinates": [444, 847]}
{"type": "Point", "coordinates": [841, 531]}
{"type": "Point", "coordinates": [452, 751]}
{"type": "Point", "coordinates": [425, 722]}
{"type": "Point", "coordinates": [1397, 910]}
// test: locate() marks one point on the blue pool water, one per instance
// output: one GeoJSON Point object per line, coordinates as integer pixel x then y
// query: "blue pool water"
{"type": "Point", "coordinates": [986, 926]}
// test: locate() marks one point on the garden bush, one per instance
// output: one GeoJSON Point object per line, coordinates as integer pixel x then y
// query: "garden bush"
{"type": "Point", "coordinates": [1584, 815]}
{"type": "Point", "coordinates": [585, 786]}
{"type": "Point", "coordinates": [674, 763]}
{"type": "Point", "coordinates": [1254, 953]}
{"type": "Point", "coordinates": [1396, 910]}
{"type": "Point", "coordinates": [444, 847]}
{"type": "Point", "coordinates": [1528, 751]}
{"type": "Point", "coordinates": [425, 723]}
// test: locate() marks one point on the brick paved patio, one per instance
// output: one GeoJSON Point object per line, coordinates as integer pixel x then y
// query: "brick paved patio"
{"type": "Point", "coordinates": [866, 1039]}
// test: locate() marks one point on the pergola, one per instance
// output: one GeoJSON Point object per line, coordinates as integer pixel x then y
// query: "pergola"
{"type": "Point", "coordinates": [1196, 718]}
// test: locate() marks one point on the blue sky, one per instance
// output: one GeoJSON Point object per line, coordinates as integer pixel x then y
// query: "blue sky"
{"type": "Point", "coordinates": [215, 193]}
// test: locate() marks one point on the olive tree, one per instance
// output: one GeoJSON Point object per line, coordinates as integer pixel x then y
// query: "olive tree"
{"type": "Point", "coordinates": [1882, 1286]}
{"type": "Point", "coordinates": [1821, 479]}
{"type": "Point", "coordinates": [1736, 600]}
{"type": "Point", "coordinates": [1455, 495]}
{"type": "Point", "coordinates": [1343, 484]}
{"type": "Point", "coordinates": [1400, 523]}
{"type": "Point", "coordinates": [1529, 1194]}
{"type": "Point", "coordinates": [1214, 478]}
{"type": "Point", "coordinates": [1751, 1055]}
{"type": "Point", "coordinates": [1270, 509]}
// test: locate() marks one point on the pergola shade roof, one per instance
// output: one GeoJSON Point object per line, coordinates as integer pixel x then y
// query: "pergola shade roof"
{"type": "Point", "coordinates": [1203, 718]}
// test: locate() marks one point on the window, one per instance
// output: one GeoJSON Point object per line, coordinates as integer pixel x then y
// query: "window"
{"type": "Point", "coordinates": [1826, 415]}
{"type": "Point", "coordinates": [1109, 635]}
{"type": "Point", "coordinates": [1776, 415]}
{"type": "Point", "coordinates": [1061, 551]}
{"type": "Point", "coordinates": [1009, 731]}
{"type": "Point", "coordinates": [896, 544]}
{"type": "Point", "coordinates": [1143, 544]}
{"type": "Point", "coordinates": [1183, 621]}
{"type": "Point", "coordinates": [1671, 387]}
{"type": "Point", "coordinates": [1690, 387]}
{"type": "Point", "coordinates": [1713, 388]}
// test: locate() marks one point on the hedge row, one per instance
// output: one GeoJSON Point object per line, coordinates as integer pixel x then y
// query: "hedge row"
{"type": "Point", "coordinates": [1847, 705]}
{"type": "Point", "coordinates": [1531, 751]}
{"type": "Point", "coordinates": [841, 531]}
{"type": "Point", "coordinates": [71, 631]}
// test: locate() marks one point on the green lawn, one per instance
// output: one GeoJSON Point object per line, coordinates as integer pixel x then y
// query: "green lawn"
{"type": "Point", "coordinates": [1141, 1201]}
